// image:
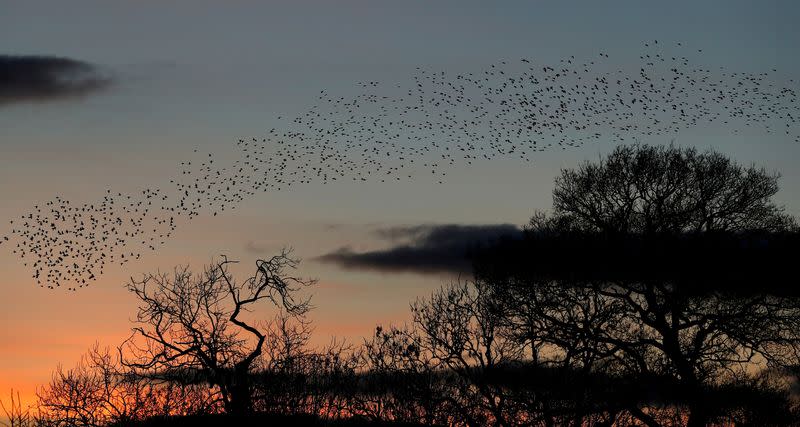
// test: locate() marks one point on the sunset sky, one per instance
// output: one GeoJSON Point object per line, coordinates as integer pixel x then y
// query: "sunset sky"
{"type": "Point", "coordinates": [196, 74]}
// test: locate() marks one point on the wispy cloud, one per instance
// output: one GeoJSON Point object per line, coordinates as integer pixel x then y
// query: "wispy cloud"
{"type": "Point", "coordinates": [254, 248]}
{"type": "Point", "coordinates": [25, 78]}
{"type": "Point", "coordinates": [426, 248]}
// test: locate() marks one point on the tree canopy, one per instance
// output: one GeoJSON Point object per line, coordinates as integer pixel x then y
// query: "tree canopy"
{"type": "Point", "coordinates": [656, 261]}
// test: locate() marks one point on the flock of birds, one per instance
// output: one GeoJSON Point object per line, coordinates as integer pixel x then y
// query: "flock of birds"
{"type": "Point", "coordinates": [438, 121]}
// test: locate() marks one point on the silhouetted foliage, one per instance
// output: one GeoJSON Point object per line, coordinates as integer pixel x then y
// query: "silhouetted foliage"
{"type": "Point", "coordinates": [657, 261]}
{"type": "Point", "coordinates": [262, 419]}
{"type": "Point", "coordinates": [101, 390]}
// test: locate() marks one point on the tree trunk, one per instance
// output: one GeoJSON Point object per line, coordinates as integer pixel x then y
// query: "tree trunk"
{"type": "Point", "coordinates": [699, 410]}
{"type": "Point", "coordinates": [241, 400]}
{"type": "Point", "coordinates": [698, 414]}
{"type": "Point", "coordinates": [643, 417]}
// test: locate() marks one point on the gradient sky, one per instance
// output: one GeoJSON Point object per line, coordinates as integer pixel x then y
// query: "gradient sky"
{"type": "Point", "coordinates": [201, 74]}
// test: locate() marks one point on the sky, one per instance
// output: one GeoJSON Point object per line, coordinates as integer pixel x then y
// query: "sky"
{"type": "Point", "coordinates": [188, 75]}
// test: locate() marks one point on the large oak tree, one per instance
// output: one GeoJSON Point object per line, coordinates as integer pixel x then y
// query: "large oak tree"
{"type": "Point", "coordinates": [657, 262]}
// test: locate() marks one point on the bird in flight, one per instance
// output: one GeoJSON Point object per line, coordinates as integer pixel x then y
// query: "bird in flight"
{"type": "Point", "coordinates": [418, 130]}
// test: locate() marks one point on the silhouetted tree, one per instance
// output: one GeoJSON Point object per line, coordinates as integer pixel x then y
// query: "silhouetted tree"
{"type": "Point", "coordinates": [403, 381]}
{"type": "Point", "coordinates": [193, 323]}
{"type": "Point", "coordinates": [651, 189]}
{"type": "Point", "coordinates": [100, 390]}
{"type": "Point", "coordinates": [291, 377]}
{"type": "Point", "coordinates": [16, 415]}
{"type": "Point", "coordinates": [625, 276]}
{"type": "Point", "coordinates": [460, 328]}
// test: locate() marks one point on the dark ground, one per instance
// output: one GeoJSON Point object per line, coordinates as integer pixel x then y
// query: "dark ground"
{"type": "Point", "coordinates": [260, 420]}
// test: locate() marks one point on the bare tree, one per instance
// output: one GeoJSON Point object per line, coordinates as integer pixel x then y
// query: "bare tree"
{"type": "Point", "coordinates": [635, 205]}
{"type": "Point", "coordinates": [651, 189]}
{"type": "Point", "coordinates": [16, 415]}
{"type": "Point", "coordinates": [292, 377]}
{"type": "Point", "coordinates": [100, 390]}
{"type": "Point", "coordinates": [193, 323]}
{"type": "Point", "coordinates": [404, 381]}
{"type": "Point", "coordinates": [461, 327]}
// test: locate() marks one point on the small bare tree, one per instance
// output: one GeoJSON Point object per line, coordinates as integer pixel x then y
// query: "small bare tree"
{"type": "Point", "coordinates": [190, 323]}
{"type": "Point", "coordinates": [403, 382]}
{"type": "Point", "coordinates": [462, 329]}
{"type": "Point", "coordinates": [291, 377]}
{"type": "Point", "coordinates": [100, 391]}
{"type": "Point", "coordinates": [16, 415]}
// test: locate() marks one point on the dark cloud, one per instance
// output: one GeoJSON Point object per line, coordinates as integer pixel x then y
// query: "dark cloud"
{"type": "Point", "coordinates": [424, 248]}
{"type": "Point", "coordinates": [45, 78]}
{"type": "Point", "coordinates": [731, 262]}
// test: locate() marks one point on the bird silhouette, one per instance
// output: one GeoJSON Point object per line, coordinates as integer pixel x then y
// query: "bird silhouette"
{"type": "Point", "coordinates": [422, 129]}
